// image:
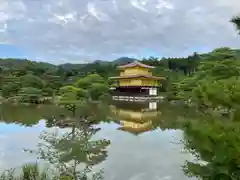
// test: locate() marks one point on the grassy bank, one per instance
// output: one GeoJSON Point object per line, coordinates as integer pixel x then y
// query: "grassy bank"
{"type": "Point", "coordinates": [33, 172]}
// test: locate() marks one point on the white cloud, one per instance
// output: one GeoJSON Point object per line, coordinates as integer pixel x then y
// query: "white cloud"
{"type": "Point", "coordinates": [81, 31]}
{"type": "Point", "coordinates": [139, 5]}
{"type": "Point", "coordinates": [95, 12]}
{"type": "Point", "coordinates": [164, 4]}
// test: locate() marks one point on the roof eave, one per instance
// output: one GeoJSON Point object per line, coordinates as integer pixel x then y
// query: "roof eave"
{"type": "Point", "coordinates": [134, 64]}
{"type": "Point", "coordinates": [125, 66]}
{"type": "Point", "coordinates": [123, 77]}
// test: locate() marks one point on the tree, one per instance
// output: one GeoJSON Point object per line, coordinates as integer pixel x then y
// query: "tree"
{"type": "Point", "coordinates": [10, 89]}
{"type": "Point", "coordinates": [52, 82]}
{"type": "Point", "coordinates": [32, 81]}
{"type": "Point", "coordinates": [219, 95]}
{"type": "Point", "coordinates": [83, 83]}
{"type": "Point", "coordinates": [87, 81]}
{"type": "Point", "coordinates": [97, 90]}
{"type": "Point", "coordinates": [30, 94]}
{"type": "Point", "coordinates": [69, 150]}
{"type": "Point", "coordinates": [215, 144]}
{"type": "Point", "coordinates": [215, 141]}
{"type": "Point", "coordinates": [80, 93]}
{"type": "Point", "coordinates": [72, 97]}
{"type": "Point", "coordinates": [94, 84]}
{"type": "Point", "coordinates": [48, 91]}
{"type": "Point", "coordinates": [236, 21]}
{"type": "Point", "coordinates": [211, 71]}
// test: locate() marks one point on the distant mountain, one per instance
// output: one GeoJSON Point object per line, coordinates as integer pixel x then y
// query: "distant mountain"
{"type": "Point", "coordinates": [100, 62]}
{"type": "Point", "coordinates": [119, 61]}
{"type": "Point", "coordinates": [69, 66]}
{"type": "Point", "coordinates": [22, 63]}
{"type": "Point", "coordinates": [123, 60]}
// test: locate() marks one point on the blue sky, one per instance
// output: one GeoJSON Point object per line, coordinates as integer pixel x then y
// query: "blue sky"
{"type": "Point", "coordinates": [11, 51]}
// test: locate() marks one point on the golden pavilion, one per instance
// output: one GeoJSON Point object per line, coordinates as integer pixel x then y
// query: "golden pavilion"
{"type": "Point", "coordinates": [136, 79]}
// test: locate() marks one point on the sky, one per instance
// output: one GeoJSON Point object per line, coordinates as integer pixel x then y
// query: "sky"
{"type": "Point", "coordinates": [82, 31]}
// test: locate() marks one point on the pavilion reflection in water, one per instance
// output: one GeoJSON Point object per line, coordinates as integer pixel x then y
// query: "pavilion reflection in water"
{"type": "Point", "coordinates": [135, 117]}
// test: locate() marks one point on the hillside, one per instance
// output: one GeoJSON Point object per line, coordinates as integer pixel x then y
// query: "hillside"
{"type": "Point", "coordinates": [23, 63]}
{"type": "Point", "coordinates": [49, 78]}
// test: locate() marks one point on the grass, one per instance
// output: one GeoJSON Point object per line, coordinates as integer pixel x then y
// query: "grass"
{"type": "Point", "coordinates": [31, 172]}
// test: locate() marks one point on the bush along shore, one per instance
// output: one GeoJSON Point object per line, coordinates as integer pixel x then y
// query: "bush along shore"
{"type": "Point", "coordinates": [92, 87]}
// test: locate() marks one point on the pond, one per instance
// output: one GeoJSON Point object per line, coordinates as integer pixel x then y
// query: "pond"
{"type": "Point", "coordinates": [144, 142]}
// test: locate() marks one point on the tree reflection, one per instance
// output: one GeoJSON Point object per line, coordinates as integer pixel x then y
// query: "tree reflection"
{"type": "Point", "coordinates": [93, 112]}
{"type": "Point", "coordinates": [72, 150]}
{"type": "Point", "coordinates": [216, 146]}
{"type": "Point", "coordinates": [26, 115]}
{"type": "Point", "coordinates": [167, 120]}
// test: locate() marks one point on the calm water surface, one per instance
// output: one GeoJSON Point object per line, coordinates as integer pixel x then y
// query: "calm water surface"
{"type": "Point", "coordinates": [136, 151]}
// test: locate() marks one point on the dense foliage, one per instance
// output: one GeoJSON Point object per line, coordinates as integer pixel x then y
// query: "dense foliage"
{"type": "Point", "coordinates": [214, 89]}
{"type": "Point", "coordinates": [47, 79]}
